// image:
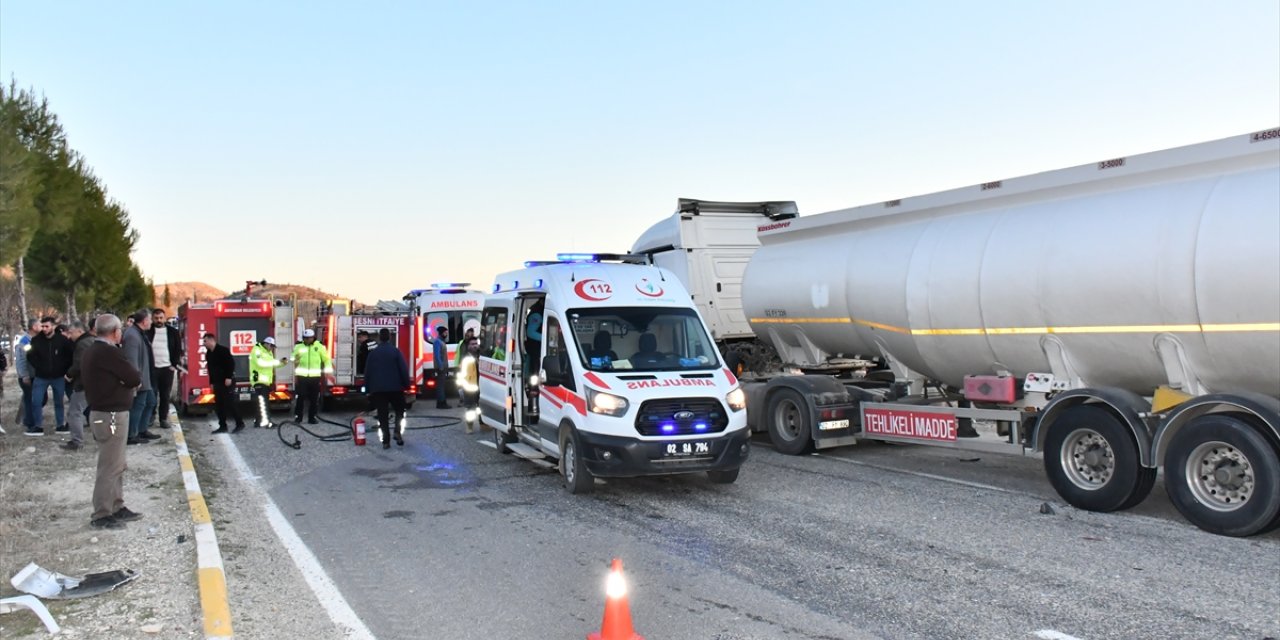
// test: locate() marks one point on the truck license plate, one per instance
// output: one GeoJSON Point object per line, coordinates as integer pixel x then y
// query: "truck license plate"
{"type": "Point", "coordinates": [245, 396]}
{"type": "Point", "coordinates": [833, 424]}
{"type": "Point", "coordinates": [683, 449]}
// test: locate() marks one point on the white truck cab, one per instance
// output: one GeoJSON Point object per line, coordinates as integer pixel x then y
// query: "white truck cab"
{"type": "Point", "coordinates": [605, 364]}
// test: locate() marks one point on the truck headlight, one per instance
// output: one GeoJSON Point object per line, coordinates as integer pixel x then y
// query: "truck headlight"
{"type": "Point", "coordinates": [606, 403]}
{"type": "Point", "coordinates": [737, 399]}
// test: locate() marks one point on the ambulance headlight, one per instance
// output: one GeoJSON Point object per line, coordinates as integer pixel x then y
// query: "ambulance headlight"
{"type": "Point", "coordinates": [606, 403]}
{"type": "Point", "coordinates": [737, 399]}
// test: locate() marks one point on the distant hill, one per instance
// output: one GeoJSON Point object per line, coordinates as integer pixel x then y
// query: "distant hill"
{"type": "Point", "coordinates": [180, 292]}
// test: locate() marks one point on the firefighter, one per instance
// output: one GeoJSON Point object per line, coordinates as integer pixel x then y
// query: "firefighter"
{"type": "Point", "coordinates": [469, 380]}
{"type": "Point", "coordinates": [311, 362]}
{"type": "Point", "coordinates": [262, 375]}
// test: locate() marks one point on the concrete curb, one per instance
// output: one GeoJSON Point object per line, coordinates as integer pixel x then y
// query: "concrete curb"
{"type": "Point", "coordinates": [212, 579]}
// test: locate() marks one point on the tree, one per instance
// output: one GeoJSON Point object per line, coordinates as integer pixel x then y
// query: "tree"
{"type": "Point", "coordinates": [38, 180]}
{"type": "Point", "coordinates": [166, 299]}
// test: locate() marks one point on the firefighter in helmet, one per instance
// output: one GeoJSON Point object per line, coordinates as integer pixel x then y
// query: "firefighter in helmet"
{"type": "Point", "coordinates": [311, 361]}
{"type": "Point", "coordinates": [469, 380]}
{"type": "Point", "coordinates": [262, 375]}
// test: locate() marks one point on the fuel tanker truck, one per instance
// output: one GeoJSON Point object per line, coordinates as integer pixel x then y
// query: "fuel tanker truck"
{"type": "Point", "coordinates": [1118, 317]}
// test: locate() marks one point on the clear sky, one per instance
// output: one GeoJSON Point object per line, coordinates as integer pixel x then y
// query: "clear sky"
{"type": "Point", "coordinates": [371, 148]}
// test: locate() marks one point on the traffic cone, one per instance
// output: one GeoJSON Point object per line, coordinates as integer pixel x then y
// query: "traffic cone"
{"type": "Point", "coordinates": [617, 613]}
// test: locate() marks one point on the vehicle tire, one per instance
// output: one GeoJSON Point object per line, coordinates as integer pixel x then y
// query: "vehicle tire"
{"type": "Point", "coordinates": [1092, 461]}
{"type": "Point", "coordinates": [183, 410]}
{"type": "Point", "coordinates": [577, 479]}
{"type": "Point", "coordinates": [1224, 476]}
{"type": "Point", "coordinates": [501, 439]}
{"type": "Point", "coordinates": [1146, 482]}
{"type": "Point", "coordinates": [790, 422]}
{"type": "Point", "coordinates": [723, 476]}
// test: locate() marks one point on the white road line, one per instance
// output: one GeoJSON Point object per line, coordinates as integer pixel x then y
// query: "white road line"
{"type": "Point", "coordinates": [340, 612]}
{"type": "Point", "coordinates": [921, 474]}
{"type": "Point", "coordinates": [1050, 634]}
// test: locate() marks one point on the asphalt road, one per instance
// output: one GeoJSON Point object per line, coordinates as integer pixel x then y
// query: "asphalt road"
{"type": "Point", "coordinates": [445, 538]}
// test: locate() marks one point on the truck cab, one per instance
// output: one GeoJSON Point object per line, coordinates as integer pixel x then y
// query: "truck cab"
{"type": "Point", "coordinates": [604, 365]}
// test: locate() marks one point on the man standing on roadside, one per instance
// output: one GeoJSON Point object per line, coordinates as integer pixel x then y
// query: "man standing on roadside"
{"type": "Point", "coordinates": [440, 360]}
{"type": "Point", "coordinates": [20, 352]}
{"type": "Point", "coordinates": [49, 359]}
{"type": "Point", "coordinates": [262, 375]}
{"type": "Point", "coordinates": [137, 348]}
{"type": "Point", "coordinates": [82, 340]}
{"type": "Point", "coordinates": [386, 377]}
{"type": "Point", "coordinates": [166, 348]}
{"type": "Point", "coordinates": [110, 381]}
{"type": "Point", "coordinates": [311, 361]}
{"type": "Point", "coordinates": [222, 377]}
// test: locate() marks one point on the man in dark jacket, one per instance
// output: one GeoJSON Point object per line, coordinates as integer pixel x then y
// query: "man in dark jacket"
{"type": "Point", "coordinates": [166, 350]}
{"type": "Point", "coordinates": [222, 377]}
{"type": "Point", "coordinates": [386, 376]}
{"type": "Point", "coordinates": [76, 414]}
{"type": "Point", "coordinates": [138, 350]}
{"type": "Point", "coordinates": [109, 385]}
{"type": "Point", "coordinates": [49, 360]}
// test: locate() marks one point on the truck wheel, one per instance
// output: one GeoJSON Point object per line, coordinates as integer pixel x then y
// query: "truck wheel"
{"type": "Point", "coordinates": [1224, 476]}
{"type": "Point", "coordinates": [733, 360]}
{"type": "Point", "coordinates": [790, 425]}
{"type": "Point", "coordinates": [1092, 461]}
{"type": "Point", "coordinates": [577, 479]}
{"type": "Point", "coordinates": [723, 476]}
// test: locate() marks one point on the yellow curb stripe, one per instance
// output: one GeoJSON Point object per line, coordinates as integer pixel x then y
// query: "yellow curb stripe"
{"type": "Point", "coordinates": [209, 574]}
{"type": "Point", "coordinates": [213, 599]}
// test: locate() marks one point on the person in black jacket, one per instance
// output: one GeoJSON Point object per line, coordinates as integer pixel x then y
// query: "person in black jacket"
{"type": "Point", "coordinates": [49, 360]}
{"type": "Point", "coordinates": [167, 351]}
{"type": "Point", "coordinates": [222, 377]}
{"type": "Point", "coordinates": [386, 377]}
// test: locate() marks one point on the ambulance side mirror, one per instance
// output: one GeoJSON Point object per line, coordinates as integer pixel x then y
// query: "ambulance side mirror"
{"type": "Point", "coordinates": [553, 375]}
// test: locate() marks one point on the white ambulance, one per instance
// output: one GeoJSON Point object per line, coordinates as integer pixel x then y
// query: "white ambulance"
{"type": "Point", "coordinates": [445, 304]}
{"type": "Point", "coordinates": [604, 364]}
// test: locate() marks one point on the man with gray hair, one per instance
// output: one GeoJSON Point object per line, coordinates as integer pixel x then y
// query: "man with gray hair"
{"type": "Point", "coordinates": [110, 382]}
{"type": "Point", "coordinates": [76, 415]}
{"type": "Point", "coordinates": [137, 348]}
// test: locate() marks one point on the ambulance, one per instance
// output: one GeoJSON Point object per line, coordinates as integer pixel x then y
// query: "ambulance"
{"type": "Point", "coordinates": [601, 365]}
{"type": "Point", "coordinates": [444, 304]}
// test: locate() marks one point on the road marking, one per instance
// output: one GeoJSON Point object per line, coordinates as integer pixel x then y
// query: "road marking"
{"type": "Point", "coordinates": [209, 573]}
{"type": "Point", "coordinates": [931, 476]}
{"type": "Point", "coordinates": [1050, 634]}
{"type": "Point", "coordinates": [340, 612]}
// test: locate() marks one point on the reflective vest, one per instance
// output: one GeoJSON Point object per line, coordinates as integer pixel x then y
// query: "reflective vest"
{"type": "Point", "coordinates": [262, 365]}
{"type": "Point", "coordinates": [312, 361]}
{"type": "Point", "coordinates": [469, 375]}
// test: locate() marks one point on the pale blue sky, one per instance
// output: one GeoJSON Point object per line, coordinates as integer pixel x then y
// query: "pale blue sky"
{"type": "Point", "coordinates": [371, 148]}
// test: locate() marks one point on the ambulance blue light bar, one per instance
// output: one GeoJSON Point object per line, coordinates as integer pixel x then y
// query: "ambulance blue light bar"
{"type": "Point", "coordinates": [449, 285]}
{"type": "Point", "coordinates": [577, 257]}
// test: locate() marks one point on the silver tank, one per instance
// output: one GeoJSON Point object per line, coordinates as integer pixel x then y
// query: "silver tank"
{"type": "Point", "coordinates": [1157, 269]}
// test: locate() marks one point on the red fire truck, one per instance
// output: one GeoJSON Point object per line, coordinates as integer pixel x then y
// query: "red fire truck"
{"type": "Point", "coordinates": [338, 330]}
{"type": "Point", "coordinates": [239, 324]}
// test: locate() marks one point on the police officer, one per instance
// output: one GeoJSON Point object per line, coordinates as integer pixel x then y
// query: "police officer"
{"type": "Point", "coordinates": [262, 375]}
{"type": "Point", "coordinates": [311, 362]}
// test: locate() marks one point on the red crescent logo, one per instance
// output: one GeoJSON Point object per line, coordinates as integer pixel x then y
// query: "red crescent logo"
{"type": "Point", "coordinates": [593, 289]}
{"type": "Point", "coordinates": [654, 291]}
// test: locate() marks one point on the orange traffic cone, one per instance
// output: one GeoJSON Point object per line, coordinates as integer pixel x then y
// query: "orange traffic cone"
{"type": "Point", "coordinates": [617, 613]}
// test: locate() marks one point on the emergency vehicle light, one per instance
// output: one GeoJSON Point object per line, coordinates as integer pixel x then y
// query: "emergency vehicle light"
{"type": "Point", "coordinates": [449, 285]}
{"type": "Point", "coordinates": [537, 284]}
{"type": "Point", "coordinates": [668, 428]}
{"type": "Point", "coordinates": [497, 288]}
{"type": "Point", "coordinates": [577, 257]}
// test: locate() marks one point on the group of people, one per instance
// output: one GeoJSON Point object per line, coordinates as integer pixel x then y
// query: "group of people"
{"type": "Point", "coordinates": [110, 376]}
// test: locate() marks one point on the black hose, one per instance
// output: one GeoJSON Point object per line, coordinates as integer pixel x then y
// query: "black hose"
{"type": "Point", "coordinates": [349, 428]}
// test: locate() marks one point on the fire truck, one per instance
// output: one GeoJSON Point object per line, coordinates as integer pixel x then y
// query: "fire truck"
{"type": "Point", "coordinates": [339, 329]}
{"type": "Point", "coordinates": [239, 323]}
{"type": "Point", "coordinates": [448, 304]}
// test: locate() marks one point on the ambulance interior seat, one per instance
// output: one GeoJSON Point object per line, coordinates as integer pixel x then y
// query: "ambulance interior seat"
{"type": "Point", "coordinates": [648, 355]}
{"type": "Point", "coordinates": [602, 346]}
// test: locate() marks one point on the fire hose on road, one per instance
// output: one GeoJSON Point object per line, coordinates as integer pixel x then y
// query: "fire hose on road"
{"type": "Point", "coordinates": [432, 422]}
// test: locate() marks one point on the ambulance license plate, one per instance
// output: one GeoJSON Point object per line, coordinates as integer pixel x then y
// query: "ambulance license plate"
{"type": "Point", "coordinates": [686, 449]}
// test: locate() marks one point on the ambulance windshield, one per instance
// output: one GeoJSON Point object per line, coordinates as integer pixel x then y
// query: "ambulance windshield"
{"type": "Point", "coordinates": [642, 339]}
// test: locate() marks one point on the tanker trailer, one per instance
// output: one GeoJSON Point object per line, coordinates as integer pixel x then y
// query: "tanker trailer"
{"type": "Point", "coordinates": [1119, 317]}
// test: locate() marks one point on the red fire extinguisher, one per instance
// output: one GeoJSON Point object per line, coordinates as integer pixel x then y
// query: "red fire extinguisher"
{"type": "Point", "coordinates": [357, 431]}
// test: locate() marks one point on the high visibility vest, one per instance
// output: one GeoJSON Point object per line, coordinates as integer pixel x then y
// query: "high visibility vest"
{"type": "Point", "coordinates": [262, 365]}
{"type": "Point", "coordinates": [312, 361]}
{"type": "Point", "coordinates": [469, 375]}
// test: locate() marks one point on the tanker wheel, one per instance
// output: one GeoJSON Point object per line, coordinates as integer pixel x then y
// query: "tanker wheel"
{"type": "Point", "coordinates": [790, 422]}
{"type": "Point", "coordinates": [1092, 461]}
{"type": "Point", "coordinates": [1224, 476]}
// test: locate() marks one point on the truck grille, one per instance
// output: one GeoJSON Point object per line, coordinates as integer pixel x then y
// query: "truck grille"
{"type": "Point", "coordinates": [681, 416]}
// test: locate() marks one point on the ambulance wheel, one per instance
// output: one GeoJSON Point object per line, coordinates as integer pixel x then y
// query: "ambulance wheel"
{"type": "Point", "coordinates": [1092, 461]}
{"type": "Point", "coordinates": [577, 479]}
{"type": "Point", "coordinates": [501, 439]}
{"type": "Point", "coordinates": [790, 422]}
{"type": "Point", "coordinates": [723, 476]}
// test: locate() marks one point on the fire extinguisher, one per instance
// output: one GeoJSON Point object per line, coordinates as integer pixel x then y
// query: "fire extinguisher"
{"type": "Point", "coordinates": [357, 431]}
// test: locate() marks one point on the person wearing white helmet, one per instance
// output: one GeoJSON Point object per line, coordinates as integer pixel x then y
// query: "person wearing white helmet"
{"type": "Point", "coordinates": [262, 375]}
{"type": "Point", "coordinates": [311, 361]}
